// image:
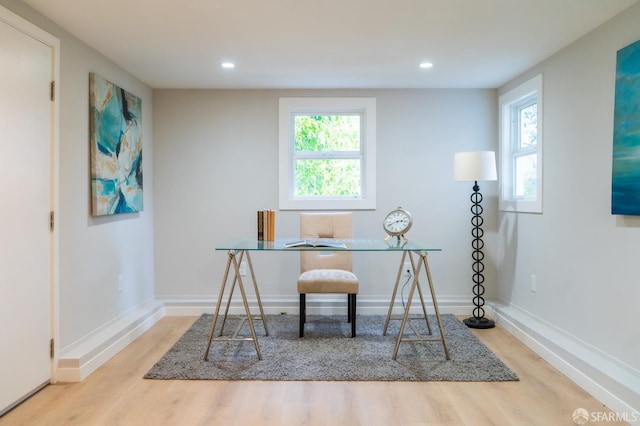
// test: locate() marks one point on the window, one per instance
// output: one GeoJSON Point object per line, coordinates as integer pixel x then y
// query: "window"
{"type": "Point", "coordinates": [327, 153]}
{"type": "Point", "coordinates": [521, 148]}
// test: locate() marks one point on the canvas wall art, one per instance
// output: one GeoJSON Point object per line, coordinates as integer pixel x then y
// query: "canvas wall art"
{"type": "Point", "coordinates": [625, 191]}
{"type": "Point", "coordinates": [116, 148]}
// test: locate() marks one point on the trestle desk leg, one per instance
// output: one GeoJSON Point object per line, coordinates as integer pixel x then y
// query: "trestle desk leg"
{"type": "Point", "coordinates": [395, 291]}
{"type": "Point", "coordinates": [423, 256]}
{"type": "Point", "coordinates": [218, 303]}
{"type": "Point", "coordinates": [233, 260]}
{"type": "Point", "coordinates": [406, 314]}
{"type": "Point", "coordinates": [393, 295]}
{"type": "Point", "coordinates": [255, 288]}
{"type": "Point", "coordinates": [416, 283]}
{"type": "Point", "coordinates": [424, 309]}
{"type": "Point", "coordinates": [236, 267]}
{"type": "Point", "coordinates": [248, 312]}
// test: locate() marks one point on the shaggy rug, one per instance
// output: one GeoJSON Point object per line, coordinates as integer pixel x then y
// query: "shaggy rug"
{"type": "Point", "coordinates": [327, 352]}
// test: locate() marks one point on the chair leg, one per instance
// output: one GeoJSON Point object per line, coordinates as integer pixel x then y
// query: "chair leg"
{"type": "Point", "coordinates": [352, 306]}
{"type": "Point", "coordinates": [349, 313]}
{"type": "Point", "coordinates": [303, 314]}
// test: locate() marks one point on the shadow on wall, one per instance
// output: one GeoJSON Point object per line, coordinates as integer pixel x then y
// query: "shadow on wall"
{"type": "Point", "coordinates": [507, 254]}
{"type": "Point", "coordinates": [491, 231]}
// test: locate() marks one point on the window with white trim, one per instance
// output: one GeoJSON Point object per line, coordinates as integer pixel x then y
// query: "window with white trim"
{"type": "Point", "coordinates": [521, 148]}
{"type": "Point", "coordinates": [327, 153]}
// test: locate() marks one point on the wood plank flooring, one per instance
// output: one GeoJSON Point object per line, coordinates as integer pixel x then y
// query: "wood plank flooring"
{"type": "Point", "coordinates": [116, 394]}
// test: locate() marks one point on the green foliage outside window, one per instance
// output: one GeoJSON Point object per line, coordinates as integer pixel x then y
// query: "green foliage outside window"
{"type": "Point", "coordinates": [327, 155]}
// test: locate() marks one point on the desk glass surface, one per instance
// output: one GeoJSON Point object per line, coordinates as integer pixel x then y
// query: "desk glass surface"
{"type": "Point", "coordinates": [351, 245]}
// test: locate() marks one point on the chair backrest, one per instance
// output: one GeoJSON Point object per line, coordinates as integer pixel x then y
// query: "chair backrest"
{"type": "Point", "coordinates": [325, 225]}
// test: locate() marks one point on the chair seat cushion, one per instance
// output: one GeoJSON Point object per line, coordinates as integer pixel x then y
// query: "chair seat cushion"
{"type": "Point", "coordinates": [327, 281]}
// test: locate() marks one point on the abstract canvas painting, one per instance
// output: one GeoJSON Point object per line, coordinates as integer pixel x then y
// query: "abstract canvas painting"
{"type": "Point", "coordinates": [116, 148]}
{"type": "Point", "coordinates": [625, 189]}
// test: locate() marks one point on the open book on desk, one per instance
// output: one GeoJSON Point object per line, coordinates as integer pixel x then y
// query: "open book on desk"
{"type": "Point", "coordinates": [315, 243]}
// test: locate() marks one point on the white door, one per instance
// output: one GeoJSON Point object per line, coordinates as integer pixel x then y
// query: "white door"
{"type": "Point", "coordinates": [25, 202]}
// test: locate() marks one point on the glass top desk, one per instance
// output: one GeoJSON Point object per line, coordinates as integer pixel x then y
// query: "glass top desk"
{"type": "Point", "coordinates": [240, 249]}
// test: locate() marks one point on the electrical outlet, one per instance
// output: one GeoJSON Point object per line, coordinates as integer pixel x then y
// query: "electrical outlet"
{"type": "Point", "coordinates": [407, 270]}
{"type": "Point", "coordinates": [243, 268]}
{"type": "Point", "coordinates": [532, 282]}
{"type": "Point", "coordinates": [120, 284]}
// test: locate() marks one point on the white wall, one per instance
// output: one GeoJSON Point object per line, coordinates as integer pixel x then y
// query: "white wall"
{"type": "Point", "coordinates": [94, 251]}
{"type": "Point", "coordinates": [216, 164]}
{"type": "Point", "coordinates": [585, 259]}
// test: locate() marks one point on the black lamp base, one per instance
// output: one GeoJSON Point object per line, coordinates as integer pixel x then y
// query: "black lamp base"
{"type": "Point", "coordinates": [473, 322]}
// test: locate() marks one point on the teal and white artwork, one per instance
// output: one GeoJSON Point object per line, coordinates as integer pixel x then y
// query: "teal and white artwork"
{"type": "Point", "coordinates": [116, 148]}
{"type": "Point", "coordinates": [625, 188]}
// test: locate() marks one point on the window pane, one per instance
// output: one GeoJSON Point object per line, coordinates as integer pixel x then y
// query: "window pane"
{"type": "Point", "coordinates": [526, 176]}
{"type": "Point", "coordinates": [521, 145]}
{"type": "Point", "coordinates": [327, 133]}
{"type": "Point", "coordinates": [528, 126]}
{"type": "Point", "coordinates": [327, 178]}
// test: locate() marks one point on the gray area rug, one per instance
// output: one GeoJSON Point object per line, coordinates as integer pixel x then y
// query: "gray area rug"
{"type": "Point", "coordinates": [328, 353]}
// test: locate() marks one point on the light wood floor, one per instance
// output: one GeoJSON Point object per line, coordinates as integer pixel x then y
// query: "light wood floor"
{"type": "Point", "coordinates": [116, 394]}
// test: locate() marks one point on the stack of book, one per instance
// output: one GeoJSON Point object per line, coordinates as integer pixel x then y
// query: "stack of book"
{"type": "Point", "coordinates": [266, 225]}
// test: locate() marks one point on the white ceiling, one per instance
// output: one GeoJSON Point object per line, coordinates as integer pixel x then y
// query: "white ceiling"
{"type": "Point", "coordinates": [328, 43]}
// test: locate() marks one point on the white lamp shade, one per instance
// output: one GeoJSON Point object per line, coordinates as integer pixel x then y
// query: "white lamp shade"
{"type": "Point", "coordinates": [474, 166]}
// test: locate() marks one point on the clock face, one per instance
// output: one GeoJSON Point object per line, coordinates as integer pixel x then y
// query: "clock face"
{"type": "Point", "coordinates": [397, 222]}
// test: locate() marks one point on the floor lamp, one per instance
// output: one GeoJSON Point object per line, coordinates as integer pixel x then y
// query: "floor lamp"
{"type": "Point", "coordinates": [476, 166]}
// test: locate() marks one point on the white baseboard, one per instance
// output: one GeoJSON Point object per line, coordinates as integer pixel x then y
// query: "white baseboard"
{"type": "Point", "coordinates": [316, 304]}
{"type": "Point", "coordinates": [82, 358]}
{"type": "Point", "coordinates": [610, 381]}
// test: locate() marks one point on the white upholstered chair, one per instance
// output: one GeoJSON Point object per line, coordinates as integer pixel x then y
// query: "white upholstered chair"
{"type": "Point", "coordinates": [327, 271]}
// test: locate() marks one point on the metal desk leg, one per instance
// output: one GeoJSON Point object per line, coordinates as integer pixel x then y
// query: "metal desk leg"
{"type": "Point", "coordinates": [423, 256]}
{"type": "Point", "coordinates": [218, 303]}
{"type": "Point", "coordinates": [406, 314]}
{"type": "Point", "coordinates": [233, 260]}
{"type": "Point", "coordinates": [233, 287]}
{"type": "Point", "coordinates": [416, 283]}
{"type": "Point", "coordinates": [424, 308]}
{"type": "Point", "coordinates": [246, 309]}
{"type": "Point", "coordinates": [395, 291]}
{"type": "Point", "coordinates": [393, 295]}
{"type": "Point", "coordinates": [255, 288]}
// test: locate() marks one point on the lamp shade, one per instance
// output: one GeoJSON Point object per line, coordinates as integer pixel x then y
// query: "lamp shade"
{"type": "Point", "coordinates": [474, 166]}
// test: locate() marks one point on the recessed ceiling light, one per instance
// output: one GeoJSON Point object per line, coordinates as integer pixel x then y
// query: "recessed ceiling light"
{"type": "Point", "coordinates": [426, 65]}
{"type": "Point", "coordinates": [228, 65]}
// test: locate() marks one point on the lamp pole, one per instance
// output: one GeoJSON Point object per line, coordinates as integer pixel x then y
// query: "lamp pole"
{"type": "Point", "coordinates": [474, 167]}
{"type": "Point", "coordinates": [478, 319]}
